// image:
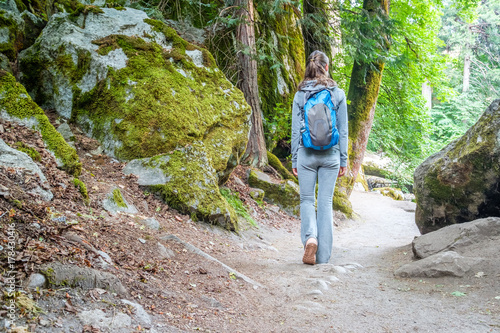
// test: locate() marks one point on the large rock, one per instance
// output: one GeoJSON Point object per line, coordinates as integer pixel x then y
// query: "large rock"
{"type": "Point", "coordinates": [58, 274]}
{"type": "Point", "coordinates": [21, 165]}
{"type": "Point", "coordinates": [285, 194]}
{"type": "Point", "coordinates": [18, 27]}
{"type": "Point", "coordinates": [447, 263]}
{"type": "Point", "coordinates": [186, 180]}
{"type": "Point", "coordinates": [460, 183]}
{"type": "Point", "coordinates": [17, 106]}
{"type": "Point", "coordinates": [376, 165]}
{"type": "Point", "coordinates": [115, 203]}
{"type": "Point", "coordinates": [482, 235]}
{"type": "Point", "coordinates": [456, 250]}
{"type": "Point", "coordinates": [133, 84]}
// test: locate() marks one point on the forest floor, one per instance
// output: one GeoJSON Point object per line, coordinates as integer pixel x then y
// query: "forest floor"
{"type": "Point", "coordinates": [183, 291]}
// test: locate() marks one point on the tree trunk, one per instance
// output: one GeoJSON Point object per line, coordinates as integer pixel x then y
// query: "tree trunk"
{"type": "Point", "coordinates": [427, 94]}
{"type": "Point", "coordinates": [321, 28]}
{"type": "Point", "coordinates": [316, 32]}
{"type": "Point", "coordinates": [466, 82]}
{"type": "Point", "coordinates": [363, 93]}
{"type": "Point", "coordinates": [255, 154]}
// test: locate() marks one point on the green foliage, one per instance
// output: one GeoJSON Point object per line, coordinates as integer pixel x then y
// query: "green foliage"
{"type": "Point", "coordinates": [238, 206]}
{"type": "Point", "coordinates": [453, 118]}
{"type": "Point", "coordinates": [402, 124]}
{"type": "Point", "coordinates": [470, 31]}
{"type": "Point", "coordinates": [276, 164]}
{"type": "Point", "coordinates": [279, 123]}
{"type": "Point", "coordinates": [365, 35]}
{"type": "Point", "coordinates": [81, 188]}
{"type": "Point", "coordinates": [30, 151]}
{"type": "Point", "coordinates": [118, 198]}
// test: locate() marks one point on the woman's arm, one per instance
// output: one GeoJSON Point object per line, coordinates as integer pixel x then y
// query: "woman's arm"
{"type": "Point", "coordinates": [295, 128]}
{"type": "Point", "coordinates": [342, 127]}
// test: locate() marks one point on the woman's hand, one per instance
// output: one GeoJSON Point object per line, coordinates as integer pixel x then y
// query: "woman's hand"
{"type": "Point", "coordinates": [294, 170]}
{"type": "Point", "coordinates": [342, 171]}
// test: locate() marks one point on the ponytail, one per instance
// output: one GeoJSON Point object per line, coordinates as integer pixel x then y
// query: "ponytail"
{"type": "Point", "coordinates": [316, 70]}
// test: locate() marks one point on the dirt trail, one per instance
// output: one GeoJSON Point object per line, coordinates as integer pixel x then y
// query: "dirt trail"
{"type": "Point", "coordinates": [356, 291]}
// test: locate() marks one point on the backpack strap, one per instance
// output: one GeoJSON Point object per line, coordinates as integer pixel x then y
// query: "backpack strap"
{"type": "Point", "coordinates": [332, 90]}
{"type": "Point", "coordinates": [307, 95]}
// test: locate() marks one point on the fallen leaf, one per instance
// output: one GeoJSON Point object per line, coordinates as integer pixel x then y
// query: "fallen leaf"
{"type": "Point", "coordinates": [458, 293]}
{"type": "Point", "coordinates": [70, 308]}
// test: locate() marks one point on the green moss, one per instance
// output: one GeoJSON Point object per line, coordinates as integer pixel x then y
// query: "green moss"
{"type": "Point", "coordinates": [30, 151]}
{"type": "Point", "coordinates": [373, 170]}
{"type": "Point", "coordinates": [276, 164]}
{"type": "Point", "coordinates": [17, 203]}
{"type": "Point", "coordinates": [234, 201]}
{"type": "Point", "coordinates": [393, 193]}
{"type": "Point", "coordinates": [75, 72]}
{"type": "Point", "coordinates": [41, 8]}
{"type": "Point", "coordinates": [341, 199]}
{"type": "Point", "coordinates": [362, 179]}
{"type": "Point", "coordinates": [118, 198]}
{"type": "Point", "coordinates": [16, 102]}
{"type": "Point", "coordinates": [115, 4]}
{"type": "Point", "coordinates": [49, 275]}
{"type": "Point", "coordinates": [192, 186]}
{"type": "Point", "coordinates": [81, 188]}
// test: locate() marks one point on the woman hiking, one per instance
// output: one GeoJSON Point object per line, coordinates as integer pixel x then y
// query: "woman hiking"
{"type": "Point", "coordinates": [319, 164]}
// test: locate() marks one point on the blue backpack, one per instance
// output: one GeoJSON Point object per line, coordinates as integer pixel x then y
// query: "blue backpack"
{"type": "Point", "coordinates": [318, 123]}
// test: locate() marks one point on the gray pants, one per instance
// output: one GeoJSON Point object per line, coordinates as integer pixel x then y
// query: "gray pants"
{"type": "Point", "coordinates": [323, 166]}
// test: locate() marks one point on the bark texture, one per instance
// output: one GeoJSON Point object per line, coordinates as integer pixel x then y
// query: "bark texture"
{"type": "Point", "coordinates": [255, 154]}
{"type": "Point", "coordinates": [321, 28]}
{"type": "Point", "coordinates": [363, 93]}
{"type": "Point", "coordinates": [314, 32]}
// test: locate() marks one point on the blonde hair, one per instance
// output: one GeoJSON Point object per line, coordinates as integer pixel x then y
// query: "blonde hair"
{"type": "Point", "coordinates": [316, 70]}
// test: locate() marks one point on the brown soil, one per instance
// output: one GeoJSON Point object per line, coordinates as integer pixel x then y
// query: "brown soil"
{"type": "Point", "coordinates": [356, 292]}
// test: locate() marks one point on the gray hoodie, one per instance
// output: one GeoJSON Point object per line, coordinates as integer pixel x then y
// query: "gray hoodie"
{"type": "Point", "coordinates": [338, 99]}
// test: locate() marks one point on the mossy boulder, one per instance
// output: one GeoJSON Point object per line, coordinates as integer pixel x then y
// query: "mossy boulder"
{"type": "Point", "coordinates": [115, 203]}
{"type": "Point", "coordinates": [61, 275]}
{"type": "Point", "coordinates": [16, 105]}
{"type": "Point", "coordinates": [19, 27]}
{"type": "Point", "coordinates": [5, 64]}
{"type": "Point", "coordinates": [285, 194]}
{"type": "Point", "coordinates": [137, 87]}
{"type": "Point", "coordinates": [461, 182]}
{"type": "Point", "coordinates": [341, 201]}
{"type": "Point", "coordinates": [376, 165]}
{"type": "Point", "coordinates": [257, 194]}
{"type": "Point", "coordinates": [187, 181]}
{"type": "Point", "coordinates": [393, 193]}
